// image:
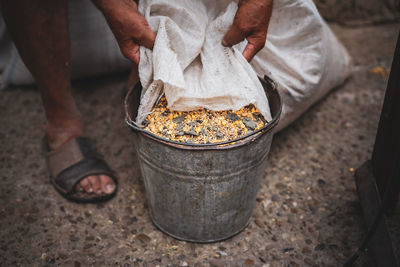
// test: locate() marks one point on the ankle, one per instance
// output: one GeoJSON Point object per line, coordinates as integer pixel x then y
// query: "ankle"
{"type": "Point", "coordinates": [57, 135]}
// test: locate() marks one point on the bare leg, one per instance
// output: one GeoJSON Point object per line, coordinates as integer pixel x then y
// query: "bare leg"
{"type": "Point", "coordinates": [40, 32]}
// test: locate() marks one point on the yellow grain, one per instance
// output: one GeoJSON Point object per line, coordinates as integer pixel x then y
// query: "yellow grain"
{"type": "Point", "coordinates": [209, 126]}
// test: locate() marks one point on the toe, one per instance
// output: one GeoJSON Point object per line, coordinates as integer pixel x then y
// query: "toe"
{"type": "Point", "coordinates": [95, 182]}
{"type": "Point", "coordinates": [78, 188]}
{"type": "Point", "coordinates": [107, 184]}
{"type": "Point", "coordinates": [85, 183]}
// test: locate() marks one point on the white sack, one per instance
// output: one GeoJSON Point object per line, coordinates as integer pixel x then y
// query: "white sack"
{"type": "Point", "coordinates": [94, 50]}
{"type": "Point", "coordinates": [188, 62]}
{"type": "Point", "coordinates": [302, 56]}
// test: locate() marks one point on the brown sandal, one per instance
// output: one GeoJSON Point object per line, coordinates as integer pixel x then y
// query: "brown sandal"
{"type": "Point", "coordinates": [74, 161]}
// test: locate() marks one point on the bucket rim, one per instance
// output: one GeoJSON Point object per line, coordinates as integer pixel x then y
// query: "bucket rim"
{"type": "Point", "coordinates": [241, 141]}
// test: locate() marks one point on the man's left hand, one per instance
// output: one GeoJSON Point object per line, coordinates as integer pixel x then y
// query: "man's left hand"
{"type": "Point", "coordinates": [250, 22]}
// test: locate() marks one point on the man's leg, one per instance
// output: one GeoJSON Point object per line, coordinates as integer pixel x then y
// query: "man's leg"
{"type": "Point", "coordinates": [40, 32]}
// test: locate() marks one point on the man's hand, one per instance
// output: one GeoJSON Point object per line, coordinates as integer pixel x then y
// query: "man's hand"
{"type": "Point", "coordinates": [130, 28]}
{"type": "Point", "coordinates": [251, 22]}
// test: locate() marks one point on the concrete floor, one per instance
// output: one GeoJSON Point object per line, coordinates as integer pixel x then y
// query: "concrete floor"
{"type": "Point", "coordinates": [307, 211]}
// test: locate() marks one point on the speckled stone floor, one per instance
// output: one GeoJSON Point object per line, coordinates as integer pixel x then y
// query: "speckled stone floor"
{"type": "Point", "coordinates": [307, 211]}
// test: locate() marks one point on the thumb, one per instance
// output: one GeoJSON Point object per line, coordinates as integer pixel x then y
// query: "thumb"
{"type": "Point", "coordinates": [255, 43]}
{"type": "Point", "coordinates": [132, 52]}
{"type": "Point", "coordinates": [147, 38]}
{"type": "Point", "coordinates": [133, 77]}
{"type": "Point", "coordinates": [233, 36]}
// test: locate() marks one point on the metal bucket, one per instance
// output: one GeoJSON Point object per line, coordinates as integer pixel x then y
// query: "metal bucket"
{"type": "Point", "coordinates": [202, 192]}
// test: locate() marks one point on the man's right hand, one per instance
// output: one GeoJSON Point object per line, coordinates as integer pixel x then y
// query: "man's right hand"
{"type": "Point", "coordinates": [130, 28]}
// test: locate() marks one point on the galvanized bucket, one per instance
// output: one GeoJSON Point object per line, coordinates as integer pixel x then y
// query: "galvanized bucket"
{"type": "Point", "coordinates": [202, 192]}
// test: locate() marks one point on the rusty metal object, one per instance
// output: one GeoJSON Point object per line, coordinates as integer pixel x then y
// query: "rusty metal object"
{"type": "Point", "coordinates": [202, 192]}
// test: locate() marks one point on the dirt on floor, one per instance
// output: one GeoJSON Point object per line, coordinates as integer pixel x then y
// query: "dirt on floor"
{"type": "Point", "coordinates": [307, 211]}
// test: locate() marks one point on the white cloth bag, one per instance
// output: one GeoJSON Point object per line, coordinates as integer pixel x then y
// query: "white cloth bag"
{"type": "Point", "coordinates": [302, 56]}
{"type": "Point", "coordinates": [188, 62]}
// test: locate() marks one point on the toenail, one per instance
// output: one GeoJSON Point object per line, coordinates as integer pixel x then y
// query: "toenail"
{"type": "Point", "coordinates": [109, 188]}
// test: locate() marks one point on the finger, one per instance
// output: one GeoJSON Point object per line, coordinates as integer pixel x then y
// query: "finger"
{"type": "Point", "coordinates": [254, 45]}
{"type": "Point", "coordinates": [233, 36]}
{"type": "Point", "coordinates": [133, 78]}
{"type": "Point", "coordinates": [136, 57]}
{"type": "Point", "coordinates": [146, 37]}
{"type": "Point", "coordinates": [131, 51]}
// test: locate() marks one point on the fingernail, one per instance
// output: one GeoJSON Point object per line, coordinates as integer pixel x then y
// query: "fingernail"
{"type": "Point", "coordinates": [98, 192]}
{"type": "Point", "coordinates": [109, 188]}
{"type": "Point", "coordinates": [90, 190]}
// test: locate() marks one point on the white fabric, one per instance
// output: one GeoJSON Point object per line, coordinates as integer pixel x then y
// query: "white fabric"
{"type": "Point", "coordinates": [302, 56]}
{"type": "Point", "coordinates": [188, 62]}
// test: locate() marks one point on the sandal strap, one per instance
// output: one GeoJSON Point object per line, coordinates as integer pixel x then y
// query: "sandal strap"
{"type": "Point", "coordinates": [67, 155]}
